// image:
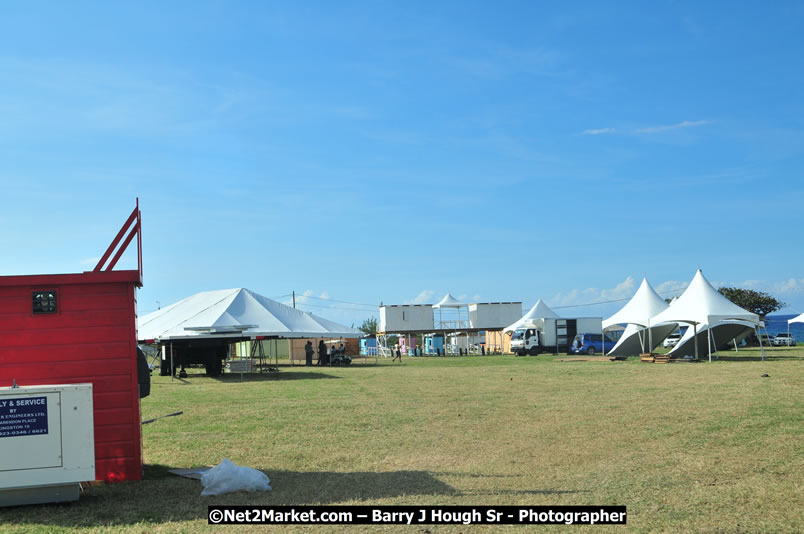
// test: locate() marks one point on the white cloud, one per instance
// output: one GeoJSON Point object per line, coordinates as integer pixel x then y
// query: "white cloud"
{"type": "Point", "coordinates": [668, 127]}
{"type": "Point", "coordinates": [599, 131]}
{"type": "Point", "coordinates": [671, 288]}
{"type": "Point", "coordinates": [791, 285]}
{"type": "Point", "coordinates": [425, 297]}
{"type": "Point", "coordinates": [90, 261]}
{"type": "Point", "coordinates": [592, 295]}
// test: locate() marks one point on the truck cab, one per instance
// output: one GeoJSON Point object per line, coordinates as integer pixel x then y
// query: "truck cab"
{"type": "Point", "coordinates": [525, 341]}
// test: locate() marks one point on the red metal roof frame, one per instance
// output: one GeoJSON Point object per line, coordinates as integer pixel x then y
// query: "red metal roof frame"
{"type": "Point", "coordinates": [134, 221]}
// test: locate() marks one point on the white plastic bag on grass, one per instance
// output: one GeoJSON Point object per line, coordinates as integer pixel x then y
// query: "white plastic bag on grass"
{"type": "Point", "coordinates": [226, 477]}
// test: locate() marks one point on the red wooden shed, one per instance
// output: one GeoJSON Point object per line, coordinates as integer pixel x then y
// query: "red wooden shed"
{"type": "Point", "coordinates": [78, 328]}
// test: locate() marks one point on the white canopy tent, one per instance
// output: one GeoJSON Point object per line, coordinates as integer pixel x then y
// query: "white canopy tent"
{"type": "Point", "coordinates": [798, 319]}
{"type": "Point", "coordinates": [235, 313]}
{"type": "Point", "coordinates": [637, 315]}
{"type": "Point", "coordinates": [702, 305]}
{"type": "Point", "coordinates": [450, 302]}
{"type": "Point", "coordinates": [538, 313]}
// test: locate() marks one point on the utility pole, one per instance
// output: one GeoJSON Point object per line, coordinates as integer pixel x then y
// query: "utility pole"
{"type": "Point", "coordinates": [294, 299]}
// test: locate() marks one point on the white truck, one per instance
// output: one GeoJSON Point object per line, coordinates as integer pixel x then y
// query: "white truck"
{"type": "Point", "coordinates": [552, 335]}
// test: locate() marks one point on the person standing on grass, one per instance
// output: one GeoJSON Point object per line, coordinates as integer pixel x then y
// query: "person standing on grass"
{"type": "Point", "coordinates": [322, 352]}
{"type": "Point", "coordinates": [308, 353]}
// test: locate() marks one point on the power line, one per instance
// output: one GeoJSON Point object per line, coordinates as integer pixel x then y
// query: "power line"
{"type": "Point", "coordinates": [334, 307]}
{"type": "Point", "coordinates": [341, 301]}
{"type": "Point", "coordinates": [667, 293]}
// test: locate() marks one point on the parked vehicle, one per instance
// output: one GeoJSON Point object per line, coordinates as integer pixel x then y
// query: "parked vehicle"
{"type": "Point", "coordinates": [753, 341]}
{"type": "Point", "coordinates": [784, 340]}
{"type": "Point", "coordinates": [550, 334]}
{"type": "Point", "coordinates": [671, 340]}
{"type": "Point", "coordinates": [526, 341]}
{"type": "Point", "coordinates": [591, 343]}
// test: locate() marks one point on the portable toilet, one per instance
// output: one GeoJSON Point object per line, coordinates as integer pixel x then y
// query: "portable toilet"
{"type": "Point", "coordinates": [81, 329]}
{"type": "Point", "coordinates": [434, 344]}
{"type": "Point", "coordinates": [368, 346]}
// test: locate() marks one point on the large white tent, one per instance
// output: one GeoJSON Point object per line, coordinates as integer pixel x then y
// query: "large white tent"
{"type": "Point", "coordinates": [640, 334]}
{"type": "Point", "coordinates": [536, 314]}
{"type": "Point", "coordinates": [235, 313]}
{"type": "Point", "coordinates": [701, 305]}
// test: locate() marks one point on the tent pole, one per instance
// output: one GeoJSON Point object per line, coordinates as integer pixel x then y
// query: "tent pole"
{"type": "Point", "coordinates": [695, 338]}
{"type": "Point", "coordinates": [709, 340]}
{"type": "Point", "coordinates": [761, 348]}
{"type": "Point", "coordinates": [714, 345]}
{"type": "Point", "coordinates": [172, 370]}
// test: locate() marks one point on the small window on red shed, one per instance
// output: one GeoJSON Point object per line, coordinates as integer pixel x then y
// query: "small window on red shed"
{"type": "Point", "coordinates": [44, 302]}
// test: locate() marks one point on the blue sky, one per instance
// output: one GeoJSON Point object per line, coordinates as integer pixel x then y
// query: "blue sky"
{"type": "Point", "coordinates": [394, 151]}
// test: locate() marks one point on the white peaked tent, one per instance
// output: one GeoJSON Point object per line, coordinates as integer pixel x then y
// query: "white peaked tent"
{"type": "Point", "coordinates": [450, 302]}
{"type": "Point", "coordinates": [797, 319]}
{"type": "Point", "coordinates": [535, 315]}
{"type": "Point", "coordinates": [235, 313]}
{"type": "Point", "coordinates": [701, 305]}
{"type": "Point", "coordinates": [637, 313]}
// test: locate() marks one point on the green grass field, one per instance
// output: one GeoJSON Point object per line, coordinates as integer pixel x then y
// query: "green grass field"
{"type": "Point", "coordinates": [686, 446]}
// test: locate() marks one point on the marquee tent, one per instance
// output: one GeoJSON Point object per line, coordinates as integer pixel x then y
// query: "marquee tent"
{"type": "Point", "coordinates": [538, 312]}
{"type": "Point", "coordinates": [637, 313]}
{"type": "Point", "coordinates": [449, 302]}
{"type": "Point", "coordinates": [701, 305]}
{"type": "Point", "coordinates": [797, 319]}
{"type": "Point", "coordinates": [454, 319]}
{"type": "Point", "coordinates": [235, 313]}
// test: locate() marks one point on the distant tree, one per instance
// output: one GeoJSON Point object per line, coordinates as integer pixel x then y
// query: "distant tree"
{"type": "Point", "coordinates": [369, 326]}
{"type": "Point", "coordinates": [668, 300]}
{"type": "Point", "coordinates": [757, 302]}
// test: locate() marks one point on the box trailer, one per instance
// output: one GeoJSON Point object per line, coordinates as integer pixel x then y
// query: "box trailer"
{"type": "Point", "coordinates": [552, 335]}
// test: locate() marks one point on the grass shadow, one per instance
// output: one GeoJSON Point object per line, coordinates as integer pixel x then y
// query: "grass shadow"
{"type": "Point", "coordinates": [163, 497]}
{"type": "Point", "coordinates": [274, 377]}
{"type": "Point", "coordinates": [770, 357]}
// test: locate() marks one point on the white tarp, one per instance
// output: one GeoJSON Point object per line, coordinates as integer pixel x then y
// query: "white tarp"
{"type": "Point", "coordinates": [449, 302]}
{"type": "Point", "coordinates": [536, 314]}
{"type": "Point", "coordinates": [636, 339]}
{"type": "Point", "coordinates": [721, 334]}
{"type": "Point", "coordinates": [799, 319]}
{"type": "Point", "coordinates": [235, 312]}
